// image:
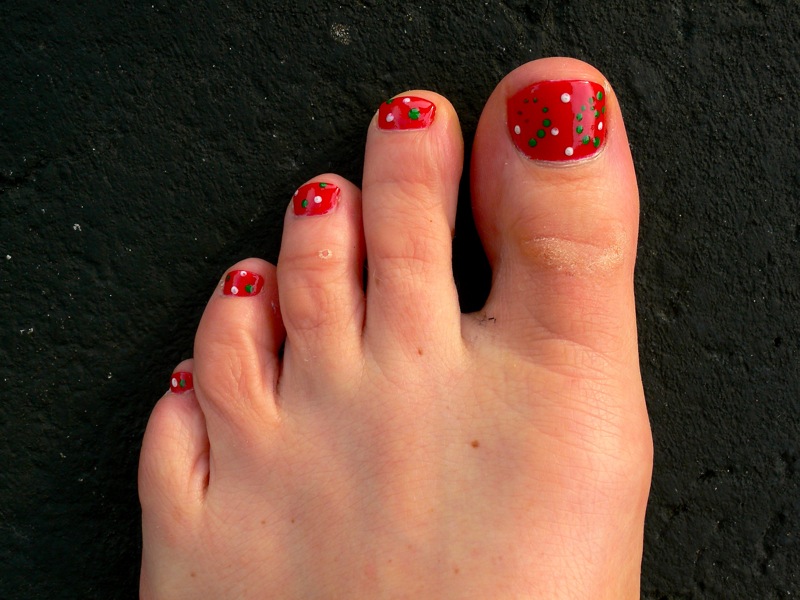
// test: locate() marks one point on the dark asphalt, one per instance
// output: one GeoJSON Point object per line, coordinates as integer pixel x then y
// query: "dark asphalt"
{"type": "Point", "coordinates": [144, 147]}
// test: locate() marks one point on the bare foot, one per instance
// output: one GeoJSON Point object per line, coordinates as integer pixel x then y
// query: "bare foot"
{"type": "Point", "coordinates": [397, 448]}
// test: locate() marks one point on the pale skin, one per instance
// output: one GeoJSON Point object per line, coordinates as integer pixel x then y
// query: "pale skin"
{"type": "Point", "coordinates": [397, 448]}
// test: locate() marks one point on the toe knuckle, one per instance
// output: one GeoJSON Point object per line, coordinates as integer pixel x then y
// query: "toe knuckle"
{"type": "Point", "coordinates": [308, 303]}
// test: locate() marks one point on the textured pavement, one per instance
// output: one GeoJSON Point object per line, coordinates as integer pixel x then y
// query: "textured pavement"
{"type": "Point", "coordinates": [145, 147]}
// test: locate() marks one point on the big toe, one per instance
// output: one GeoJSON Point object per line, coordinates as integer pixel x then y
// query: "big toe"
{"type": "Point", "coordinates": [556, 205]}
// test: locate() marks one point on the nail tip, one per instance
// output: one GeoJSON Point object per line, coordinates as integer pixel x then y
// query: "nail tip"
{"type": "Point", "coordinates": [406, 113]}
{"type": "Point", "coordinates": [240, 283]}
{"type": "Point", "coordinates": [181, 382]}
{"type": "Point", "coordinates": [315, 198]}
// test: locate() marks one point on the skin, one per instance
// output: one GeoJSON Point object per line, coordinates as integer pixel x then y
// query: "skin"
{"type": "Point", "coordinates": [398, 448]}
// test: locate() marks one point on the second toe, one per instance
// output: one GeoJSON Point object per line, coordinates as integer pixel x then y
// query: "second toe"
{"type": "Point", "coordinates": [412, 168]}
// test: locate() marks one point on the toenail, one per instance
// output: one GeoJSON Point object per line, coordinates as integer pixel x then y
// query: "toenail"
{"type": "Point", "coordinates": [315, 198]}
{"type": "Point", "coordinates": [558, 120]}
{"type": "Point", "coordinates": [181, 382]}
{"type": "Point", "coordinates": [406, 112]}
{"type": "Point", "coordinates": [242, 283]}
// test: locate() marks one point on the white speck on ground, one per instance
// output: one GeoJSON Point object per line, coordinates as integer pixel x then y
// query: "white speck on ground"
{"type": "Point", "coordinates": [76, 227]}
{"type": "Point", "coordinates": [340, 33]}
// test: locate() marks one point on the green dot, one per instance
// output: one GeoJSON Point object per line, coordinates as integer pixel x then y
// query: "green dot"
{"type": "Point", "coordinates": [535, 99]}
{"type": "Point", "coordinates": [228, 277]}
{"type": "Point", "coordinates": [591, 99]}
{"type": "Point", "coordinates": [413, 114]}
{"type": "Point", "coordinates": [390, 100]}
{"type": "Point", "coordinates": [182, 383]}
{"type": "Point", "coordinates": [596, 114]}
{"type": "Point", "coordinates": [585, 139]}
{"type": "Point", "coordinates": [599, 95]}
{"type": "Point", "coordinates": [583, 107]}
{"type": "Point", "coordinates": [603, 110]}
{"type": "Point", "coordinates": [304, 203]}
{"type": "Point", "coordinates": [546, 122]}
{"type": "Point", "coordinates": [579, 129]}
{"type": "Point", "coordinates": [596, 142]}
{"type": "Point", "coordinates": [545, 109]}
{"type": "Point", "coordinates": [579, 116]}
{"type": "Point", "coordinates": [323, 185]}
{"type": "Point", "coordinates": [248, 288]}
{"type": "Point", "coordinates": [540, 133]}
{"type": "Point", "coordinates": [532, 143]}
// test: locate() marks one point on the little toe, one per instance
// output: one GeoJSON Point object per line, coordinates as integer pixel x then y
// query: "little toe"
{"type": "Point", "coordinates": [174, 471]}
{"type": "Point", "coordinates": [412, 167]}
{"type": "Point", "coordinates": [556, 205]}
{"type": "Point", "coordinates": [236, 351]}
{"type": "Point", "coordinates": [173, 466]}
{"type": "Point", "coordinates": [320, 275]}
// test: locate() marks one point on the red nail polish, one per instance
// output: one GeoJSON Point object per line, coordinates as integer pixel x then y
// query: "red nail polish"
{"type": "Point", "coordinates": [558, 120]}
{"type": "Point", "coordinates": [242, 283]}
{"type": "Point", "coordinates": [406, 112]}
{"type": "Point", "coordinates": [181, 382]}
{"type": "Point", "coordinates": [315, 198]}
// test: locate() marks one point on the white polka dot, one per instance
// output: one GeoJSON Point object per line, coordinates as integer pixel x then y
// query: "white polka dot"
{"type": "Point", "coordinates": [406, 100]}
{"type": "Point", "coordinates": [569, 151]}
{"type": "Point", "coordinates": [565, 98]}
{"type": "Point", "coordinates": [234, 290]}
{"type": "Point", "coordinates": [554, 131]}
{"type": "Point", "coordinates": [317, 199]}
{"type": "Point", "coordinates": [517, 129]}
{"type": "Point", "coordinates": [600, 126]}
{"type": "Point", "coordinates": [242, 273]}
{"type": "Point", "coordinates": [174, 382]}
{"type": "Point", "coordinates": [389, 118]}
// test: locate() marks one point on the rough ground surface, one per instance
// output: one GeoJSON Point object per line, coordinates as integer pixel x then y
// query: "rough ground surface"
{"type": "Point", "coordinates": [146, 146]}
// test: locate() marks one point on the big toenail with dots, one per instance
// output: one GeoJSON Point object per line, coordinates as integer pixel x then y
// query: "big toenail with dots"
{"type": "Point", "coordinates": [558, 120]}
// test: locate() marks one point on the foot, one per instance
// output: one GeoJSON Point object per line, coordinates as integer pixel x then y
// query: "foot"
{"type": "Point", "coordinates": [396, 447]}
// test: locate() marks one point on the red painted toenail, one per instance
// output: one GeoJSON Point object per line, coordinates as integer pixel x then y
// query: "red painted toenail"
{"type": "Point", "coordinates": [315, 198]}
{"type": "Point", "coordinates": [406, 112]}
{"type": "Point", "coordinates": [242, 283]}
{"type": "Point", "coordinates": [558, 120]}
{"type": "Point", "coordinates": [181, 382]}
